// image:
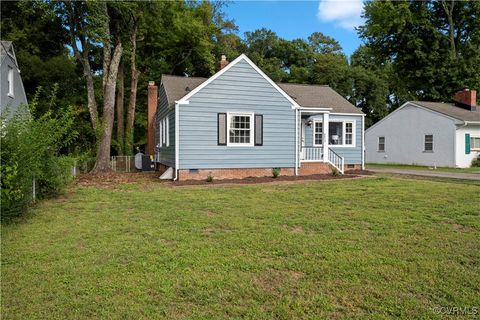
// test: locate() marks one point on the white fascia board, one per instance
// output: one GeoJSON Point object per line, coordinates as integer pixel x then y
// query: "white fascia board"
{"type": "Point", "coordinates": [179, 102]}
{"type": "Point", "coordinates": [184, 100]}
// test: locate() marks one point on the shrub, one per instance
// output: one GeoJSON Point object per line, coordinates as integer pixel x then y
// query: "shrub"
{"type": "Point", "coordinates": [31, 151]}
{"type": "Point", "coordinates": [210, 178]}
{"type": "Point", "coordinates": [335, 172]}
{"type": "Point", "coordinates": [476, 162]}
{"type": "Point", "coordinates": [275, 172]}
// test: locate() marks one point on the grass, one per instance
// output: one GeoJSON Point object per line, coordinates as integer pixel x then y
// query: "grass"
{"type": "Point", "coordinates": [415, 167]}
{"type": "Point", "coordinates": [381, 247]}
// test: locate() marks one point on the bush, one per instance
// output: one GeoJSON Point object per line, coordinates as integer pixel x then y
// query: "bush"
{"type": "Point", "coordinates": [275, 172]}
{"type": "Point", "coordinates": [31, 151]}
{"type": "Point", "coordinates": [210, 178]}
{"type": "Point", "coordinates": [335, 172]}
{"type": "Point", "coordinates": [476, 162]}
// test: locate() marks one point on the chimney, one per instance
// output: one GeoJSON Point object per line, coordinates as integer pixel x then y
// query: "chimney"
{"type": "Point", "coordinates": [152, 109]}
{"type": "Point", "coordinates": [223, 62]}
{"type": "Point", "coordinates": [466, 99]}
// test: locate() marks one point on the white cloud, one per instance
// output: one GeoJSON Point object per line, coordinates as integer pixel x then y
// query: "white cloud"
{"type": "Point", "coordinates": [344, 13]}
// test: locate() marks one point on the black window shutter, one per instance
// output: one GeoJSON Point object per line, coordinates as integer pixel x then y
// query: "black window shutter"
{"type": "Point", "coordinates": [222, 129]}
{"type": "Point", "coordinates": [258, 129]}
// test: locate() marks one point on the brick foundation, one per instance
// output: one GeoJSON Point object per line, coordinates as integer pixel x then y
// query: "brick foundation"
{"type": "Point", "coordinates": [355, 167]}
{"type": "Point", "coordinates": [309, 168]}
{"type": "Point", "coordinates": [237, 173]}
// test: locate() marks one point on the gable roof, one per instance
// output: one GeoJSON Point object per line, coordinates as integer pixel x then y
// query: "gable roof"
{"type": "Point", "coordinates": [308, 96]}
{"type": "Point", "coordinates": [318, 96]}
{"type": "Point", "coordinates": [6, 49]}
{"type": "Point", "coordinates": [450, 109]}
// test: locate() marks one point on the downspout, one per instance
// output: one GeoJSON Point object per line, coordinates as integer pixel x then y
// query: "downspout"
{"type": "Point", "coordinates": [363, 142]}
{"type": "Point", "coordinates": [177, 139]}
{"type": "Point", "coordinates": [296, 142]}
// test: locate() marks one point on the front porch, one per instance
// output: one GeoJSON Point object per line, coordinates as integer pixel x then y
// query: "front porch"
{"type": "Point", "coordinates": [315, 139]}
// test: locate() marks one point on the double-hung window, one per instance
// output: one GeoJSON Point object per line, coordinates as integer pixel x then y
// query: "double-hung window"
{"type": "Point", "coordinates": [348, 133]}
{"type": "Point", "coordinates": [240, 129]}
{"type": "Point", "coordinates": [474, 143]}
{"type": "Point", "coordinates": [318, 133]}
{"type": "Point", "coordinates": [428, 143]}
{"type": "Point", "coordinates": [10, 82]}
{"type": "Point", "coordinates": [381, 144]}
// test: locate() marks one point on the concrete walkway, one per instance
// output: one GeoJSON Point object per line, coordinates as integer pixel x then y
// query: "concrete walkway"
{"type": "Point", "coordinates": [431, 173]}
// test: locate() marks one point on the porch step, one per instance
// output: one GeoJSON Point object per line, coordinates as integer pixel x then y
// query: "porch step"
{"type": "Point", "coordinates": [167, 175]}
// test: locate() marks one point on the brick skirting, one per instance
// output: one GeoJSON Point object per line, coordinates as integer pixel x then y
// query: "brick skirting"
{"type": "Point", "coordinates": [237, 173]}
{"type": "Point", "coordinates": [307, 168]}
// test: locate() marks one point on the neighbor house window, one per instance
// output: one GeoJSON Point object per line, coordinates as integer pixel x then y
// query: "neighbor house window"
{"type": "Point", "coordinates": [239, 129]}
{"type": "Point", "coordinates": [381, 143]}
{"type": "Point", "coordinates": [428, 142]}
{"type": "Point", "coordinates": [168, 131]}
{"type": "Point", "coordinates": [10, 81]}
{"type": "Point", "coordinates": [160, 134]}
{"type": "Point", "coordinates": [318, 133]}
{"type": "Point", "coordinates": [164, 131]}
{"type": "Point", "coordinates": [475, 143]}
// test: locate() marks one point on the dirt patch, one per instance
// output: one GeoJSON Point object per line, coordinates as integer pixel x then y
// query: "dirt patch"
{"type": "Point", "coordinates": [113, 179]}
{"type": "Point", "coordinates": [360, 172]}
{"type": "Point", "coordinates": [272, 280]}
{"type": "Point", "coordinates": [255, 180]}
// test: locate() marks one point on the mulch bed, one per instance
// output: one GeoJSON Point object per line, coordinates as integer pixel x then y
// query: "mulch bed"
{"type": "Point", "coordinates": [113, 179]}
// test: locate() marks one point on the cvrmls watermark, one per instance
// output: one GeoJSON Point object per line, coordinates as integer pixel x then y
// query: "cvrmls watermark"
{"type": "Point", "coordinates": [464, 311]}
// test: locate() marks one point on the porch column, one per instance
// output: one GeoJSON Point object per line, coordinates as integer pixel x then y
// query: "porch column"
{"type": "Point", "coordinates": [325, 136]}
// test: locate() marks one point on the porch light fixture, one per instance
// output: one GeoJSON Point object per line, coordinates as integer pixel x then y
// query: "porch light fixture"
{"type": "Point", "coordinates": [309, 123]}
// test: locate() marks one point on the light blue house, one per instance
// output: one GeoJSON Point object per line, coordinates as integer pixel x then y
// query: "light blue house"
{"type": "Point", "coordinates": [239, 123]}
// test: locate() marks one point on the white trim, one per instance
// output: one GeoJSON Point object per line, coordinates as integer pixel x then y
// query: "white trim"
{"type": "Point", "coordinates": [167, 124]}
{"type": "Point", "coordinates": [252, 126]}
{"type": "Point", "coordinates": [363, 143]}
{"type": "Point", "coordinates": [347, 114]}
{"type": "Point", "coordinates": [296, 142]}
{"type": "Point", "coordinates": [184, 100]}
{"type": "Point", "coordinates": [316, 110]}
{"type": "Point", "coordinates": [325, 132]}
{"type": "Point", "coordinates": [314, 122]}
{"type": "Point", "coordinates": [10, 82]}
{"type": "Point", "coordinates": [177, 141]}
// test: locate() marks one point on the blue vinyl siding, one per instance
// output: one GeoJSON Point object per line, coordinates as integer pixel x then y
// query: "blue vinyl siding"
{"type": "Point", "coordinates": [240, 89]}
{"type": "Point", "coordinates": [351, 155]}
{"type": "Point", "coordinates": [166, 155]}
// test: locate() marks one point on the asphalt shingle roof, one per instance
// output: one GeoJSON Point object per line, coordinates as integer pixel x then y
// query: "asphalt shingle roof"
{"type": "Point", "coordinates": [309, 96]}
{"type": "Point", "coordinates": [451, 110]}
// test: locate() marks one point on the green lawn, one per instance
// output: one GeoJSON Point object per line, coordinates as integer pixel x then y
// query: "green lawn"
{"type": "Point", "coordinates": [384, 247]}
{"type": "Point", "coordinates": [414, 167]}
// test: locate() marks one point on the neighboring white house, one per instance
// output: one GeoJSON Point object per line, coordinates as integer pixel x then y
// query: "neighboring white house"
{"type": "Point", "coordinates": [12, 93]}
{"type": "Point", "coordinates": [428, 133]}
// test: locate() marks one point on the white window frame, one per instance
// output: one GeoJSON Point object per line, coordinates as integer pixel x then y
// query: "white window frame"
{"type": "Point", "coordinates": [164, 131]}
{"type": "Point", "coordinates": [252, 129]}
{"type": "Point", "coordinates": [167, 124]}
{"type": "Point", "coordinates": [471, 144]}
{"type": "Point", "coordinates": [344, 129]}
{"type": "Point", "coordinates": [313, 132]}
{"type": "Point", "coordinates": [425, 142]}
{"type": "Point", "coordinates": [160, 134]}
{"type": "Point", "coordinates": [378, 144]}
{"type": "Point", "coordinates": [10, 79]}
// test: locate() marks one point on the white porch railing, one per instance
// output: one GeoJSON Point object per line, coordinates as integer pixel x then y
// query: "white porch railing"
{"type": "Point", "coordinates": [312, 154]}
{"type": "Point", "coordinates": [335, 160]}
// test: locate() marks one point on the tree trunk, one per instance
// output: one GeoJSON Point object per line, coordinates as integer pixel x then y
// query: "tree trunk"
{"type": "Point", "coordinates": [91, 102]}
{"type": "Point", "coordinates": [103, 155]}
{"type": "Point", "coordinates": [120, 110]}
{"type": "Point", "coordinates": [133, 94]}
{"type": "Point", "coordinates": [451, 25]}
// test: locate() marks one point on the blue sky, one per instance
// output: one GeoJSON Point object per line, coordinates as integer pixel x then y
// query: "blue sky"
{"type": "Point", "coordinates": [299, 19]}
